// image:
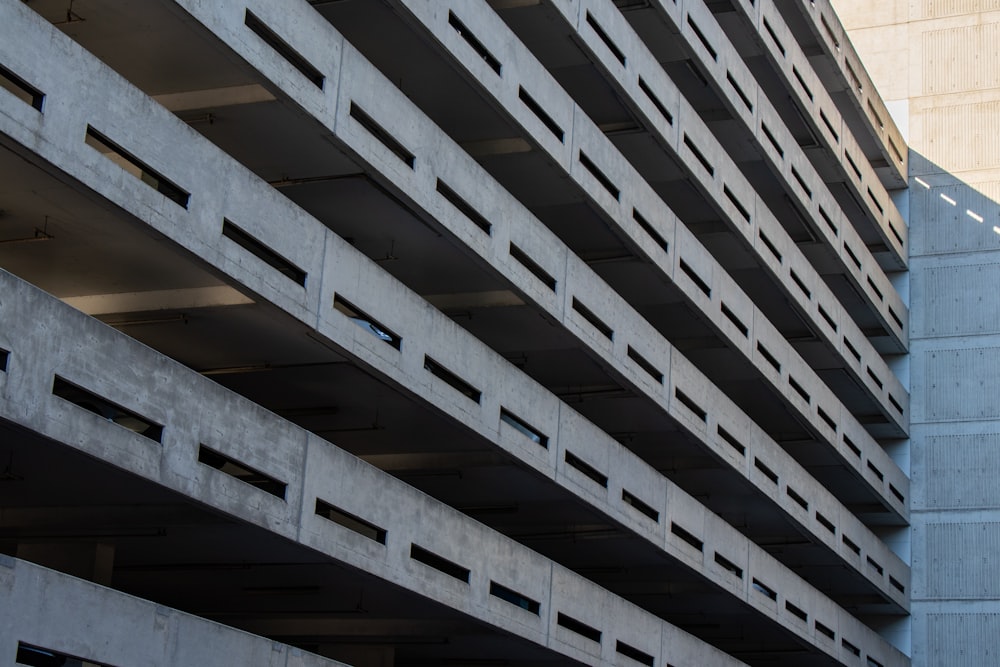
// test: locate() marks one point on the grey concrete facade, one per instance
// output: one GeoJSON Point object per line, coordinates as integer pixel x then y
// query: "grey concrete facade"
{"type": "Point", "coordinates": [943, 88]}
{"type": "Point", "coordinates": [485, 334]}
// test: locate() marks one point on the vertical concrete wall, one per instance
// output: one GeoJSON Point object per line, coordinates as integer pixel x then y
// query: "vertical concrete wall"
{"type": "Point", "coordinates": [944, 88]}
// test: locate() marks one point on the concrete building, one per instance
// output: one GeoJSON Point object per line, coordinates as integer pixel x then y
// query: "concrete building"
{"type": "Point", "coordinates": [485, 332]}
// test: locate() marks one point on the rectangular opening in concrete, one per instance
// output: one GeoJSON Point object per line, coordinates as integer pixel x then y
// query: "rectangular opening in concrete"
{"type": "Point", "coordinates": [767, 472]}
{"type": "Point", "coordinates": [686, 536]}
{"type": "Point", "coordinates": [770, 138]}
{"type": "Point", "coordinates": [513, 597]}
{"type": "Point", "coordinates": [824, 630]}
{"type": "Point", "coordinates": [383, 136]}
{"type": "Point", "coordinates": [21, 89]}
{"type": "Point", "coordinates": [768, 357]}
{"type": "Point", "coordinates": [533, 266]}
{"type": "Point", "coordinates": [702, 38]}
{"type": "Point", "coordinates": [452, 380]}
{"type": "Point", "coordinates": [829, 126]}
{"type": "Point", "coordinates": [731, 440]}
{"type": "Point", "coordinates": [728, 565]}
{"type": "Point", "coordinates": [464, 207]}
{"type": "Point", "coordinates": [36, 656]}
{"type": "Point", "coordinates": [582, 629]}
{"type": "Point", "coordinates": [853, 351]}
{"type": "Point", "coordinates": [796, 611]}
{"type": "Point", "coordinates": [769, 29]}
{"type": "Point", "coordinates": [695, 278]}
{"type": "Point", "coordinates": [764, 590]}
{"type": "Point", "coordinates": [826, 523]}
{"type": "Point", "coordinates": [799, 389]}
{"type": "Point", "coordinates": [802, 183]}
{"type": "Point", "coordinates": [827, 318]}
{"type": "Point", "coordinates": [369, 324]}
{"type": "Point", "coordinates": [633, 653]}
{"type": "Point", "coordinates": [263, 253]}
{"type": "Point", "coordinates": [874, 288]}
{"type": "Point", "coordinates": [136, 167]}
{"type": "Point", "coordinates": [873, 564]}
{"type": "Point", "coordinates": [850, 648]}
{"type": "Point", "coordinates": [473, 42]}
{"type": "Point", "coordinates": [105, 409]}
{"type": "Point", "coordinates": [440, 564]}
{"type": "Point", "coordinates": [601, 177]}
{"type": "Point", "coordinates": [688, 403]}
{"type": "Point", "coordinates": [827, 419]}
{"type": "Point", "coordinates": [744, 213]}
{"type": "Point", "coordinates": [699, 155]}
{"type": "Point", "coordinates": [642, 363]}
{"type": "Point", "coordinates": [540, 113]}
{"type": "Point", "coordinates": [523, 427]}
{"type": "Point", "coordinates": [797, 498]}
{"type": "Point", "coordinates": [798, 283]}
{"type": "Point", "coordinates": [648, 228]}
{"type": "Point", "coordinates": [852, 165]}
{"type": "Point", "coordinates": [802, 82]}
{"type": "Point", "coordinates": [350, 521]}
{"type": "Point", "coordinates": [241, 471]}
{"type": "Point", "coordinates": [876, 471]}
{"type": "Point", "coordinates": [283, 49]}
{"type": "Point", "coordinates": [769, 244]}
{"type": "Point", "coordinates": [608, 42]}
{"type": "Point", "coordinates": [739, 91]}
{"type": "Point", "coordinates": [850, 544]}
{"type": "Point", "coordinates": [630, 499]}
{"type": "Point", "coordinates": [731, 316]}
{"type": "Point", "coordinates": [829, 222]}
{"type": "Point", "coordinates": [4, 357]}
{"type": "Point", "coordinates": [589, 471]}
{"type": "Point", "coordinates": [644, 87]}
{"type": "Point", "coordinates": [593, 319]}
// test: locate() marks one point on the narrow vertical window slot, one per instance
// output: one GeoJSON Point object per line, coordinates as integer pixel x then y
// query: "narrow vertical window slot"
{"type": "Point", "coordinates": [473, 42]}
{"type": "Point", "coordinates": [21, 89]}
{"type": "Point", "coordinates": [283, 49]}
{"type": "Point", "coordinates": [4, 358]}
{"type": "Point", "coordinates": [383, 136]}
{"type": "Point", "coordinates": [604, 37]}
{"type": "Point", "coordinates": [539, 112]}
{"type": "Point", "coordinates": [136, 167]}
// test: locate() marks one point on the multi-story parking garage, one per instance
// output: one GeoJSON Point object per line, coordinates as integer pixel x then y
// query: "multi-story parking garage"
{"type": "Point", "coordinates": [449, 332]}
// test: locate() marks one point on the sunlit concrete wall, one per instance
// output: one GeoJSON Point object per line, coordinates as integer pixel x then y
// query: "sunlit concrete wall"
{"type": "Point", "coordinates": [937, 62]}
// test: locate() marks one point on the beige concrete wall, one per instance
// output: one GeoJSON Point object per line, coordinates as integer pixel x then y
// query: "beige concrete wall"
{"type": "Point", "coordinates": [938, 62]}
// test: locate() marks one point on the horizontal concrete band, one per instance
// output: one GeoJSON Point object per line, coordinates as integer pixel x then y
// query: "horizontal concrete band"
{"type": "Point", "coordinates": [52, 611]}
{"type": "Point", "coordinates": [48, 339]}
{"type": "Point", "coordinates": [302, 240]}
{"type": "Point", "coordinates": [832, 37]}
{"type": "Point", "coordinates": [831, 130]}
{"type": "Point", "coordinates": [717, 290]}
{"type": "Point", "coordinates": [752, 222]}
